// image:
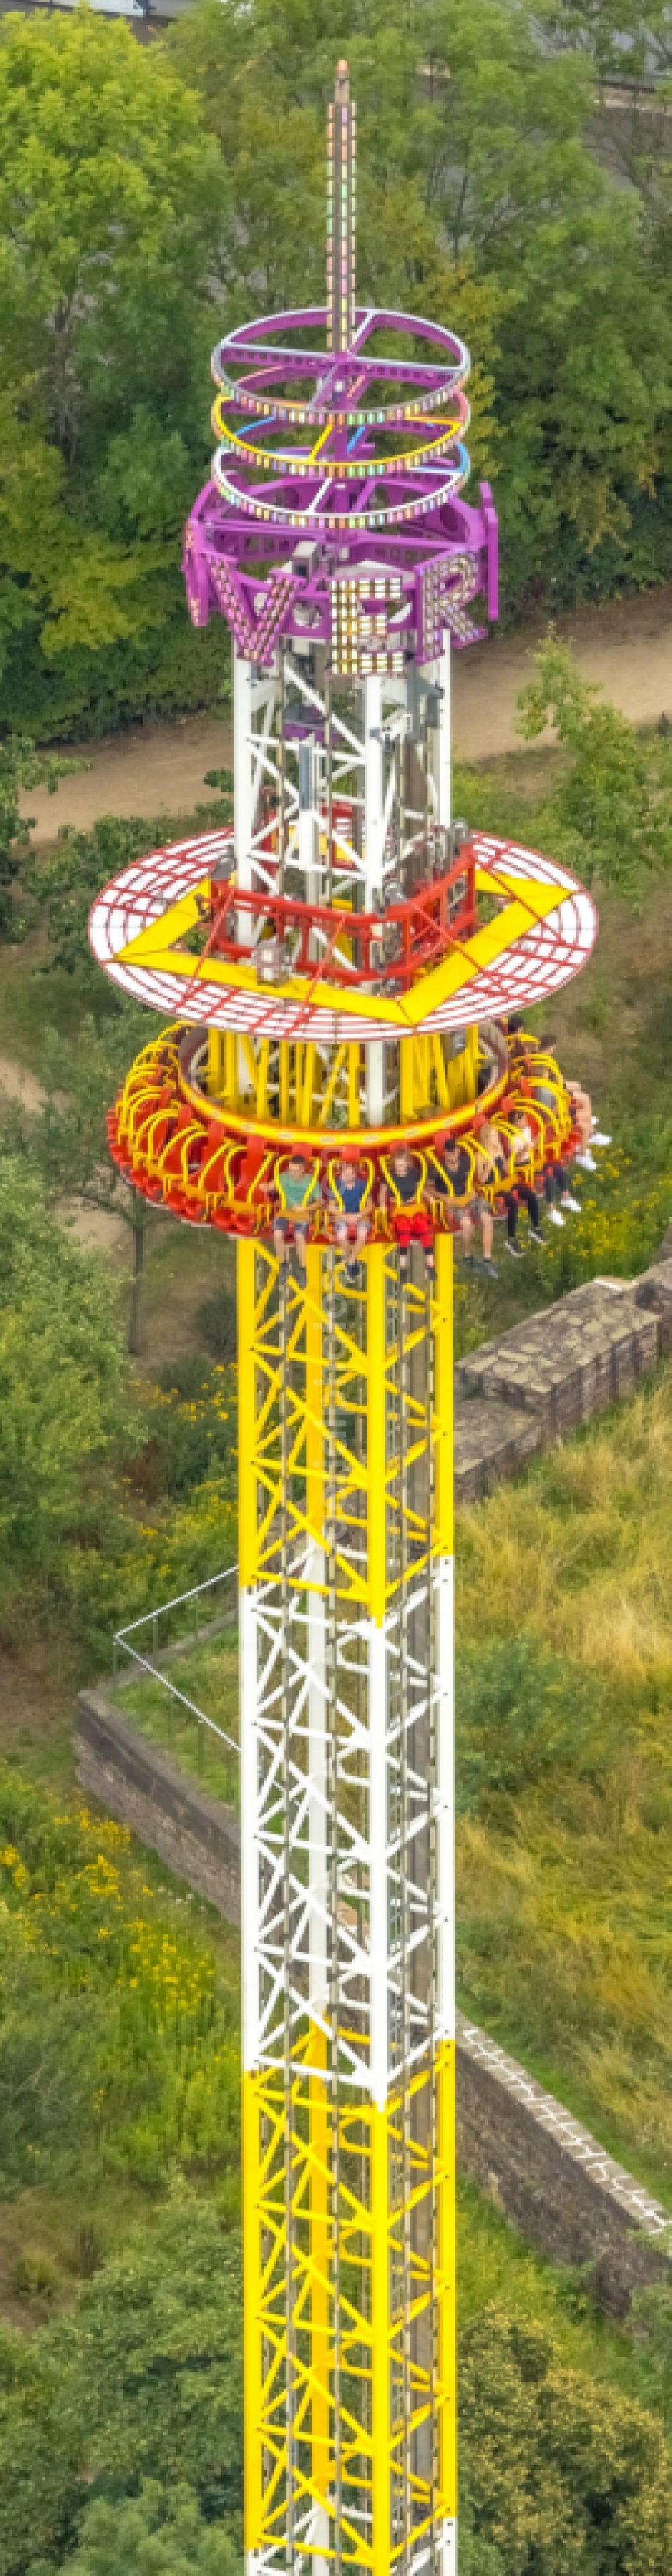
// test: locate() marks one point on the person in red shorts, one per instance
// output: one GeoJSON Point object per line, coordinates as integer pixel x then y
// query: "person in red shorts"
{"type": "Point", "coordinates": [403, 1176]}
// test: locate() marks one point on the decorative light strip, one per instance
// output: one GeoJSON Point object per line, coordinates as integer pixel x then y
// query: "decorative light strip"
{"type": "Point", "coordinates": [313, 519]}
{"type": "Point", "coordinates": [346, 468]}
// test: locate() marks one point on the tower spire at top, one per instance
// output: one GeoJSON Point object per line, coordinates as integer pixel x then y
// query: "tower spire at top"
{"type": "Point", "coordinates": [341, 214]}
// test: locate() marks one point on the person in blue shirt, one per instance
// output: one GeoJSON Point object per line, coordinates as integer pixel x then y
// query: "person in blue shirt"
{"type": "Point", "coordinates": [349, 1192]}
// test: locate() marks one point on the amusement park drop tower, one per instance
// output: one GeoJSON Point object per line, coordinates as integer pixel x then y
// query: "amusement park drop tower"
{"type": "Point", "coordinates": [337, 972]}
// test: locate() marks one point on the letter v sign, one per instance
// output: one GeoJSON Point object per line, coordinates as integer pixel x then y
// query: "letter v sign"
{"type": "Point", "coordinates": [255, 636]}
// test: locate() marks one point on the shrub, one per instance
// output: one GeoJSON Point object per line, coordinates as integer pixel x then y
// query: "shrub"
{"type": "Point", "coordinates": [216, 1321]}
{"type": "Point", "coordinates": [155, 2534]}
{"type": "Point", "coordinates": [522, 1712]}
{"type": "Point", "coordinates": [562, 2473]}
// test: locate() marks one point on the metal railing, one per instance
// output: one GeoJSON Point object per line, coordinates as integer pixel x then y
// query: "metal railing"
{"type": "Point", "coordinates": [177, 1628]}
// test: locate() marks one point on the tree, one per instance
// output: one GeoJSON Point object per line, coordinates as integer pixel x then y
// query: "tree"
{"type": "Point", "coordinates": [65, 885]}
{"type": "Point", "coordinates": [481, 199]}
{"type": "Point", "coordinates": [608, 810]}
{"type": "Point", "coordinates": [157, 2533]}
{"type": "Point", "coordinates": [562, 2472]}
{"type": "Point", "coordinates": [152, 197]}
{"type": "Point", "coordinates": [158, 2381]}
{"type": "Point", "coordinates": [21, 766]}
{"type": "Point", "coordinates": [631, 49]}
{"type": "Point", "coordinates": [113, 211]}
{"type": "Point", "coordinates": [65, 1402]}
{"type": "Point", "coordinates": [69, 1134]}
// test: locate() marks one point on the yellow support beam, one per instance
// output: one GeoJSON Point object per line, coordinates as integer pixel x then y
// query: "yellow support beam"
{"type": "Point", "coordinates": [380, 2340]}
{"type": "Point", "coordinates": [248, 1550]}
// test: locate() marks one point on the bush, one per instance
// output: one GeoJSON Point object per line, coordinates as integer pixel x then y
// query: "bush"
{"type": "Point", "coordinates": [522, 1712]}
{"type": "Point", "coordinates": [156, 2534]}
{"type": "Point", "coordinates": [66, 1399]}
{"type": "Point", "coordinates": [561, 2472]}
{"type": "Point", "coordinates": [120, 2049]}
{"type": "Point", "coordinates": [194, 1430]}
{"type": "Point", "coordinates": [216, 1321]}
{"type": "Point", "coordinates": [145, 2383]}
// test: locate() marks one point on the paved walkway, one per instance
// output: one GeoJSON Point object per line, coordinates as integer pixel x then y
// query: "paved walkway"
{"type": "Point", "coordinates": [156, 770]}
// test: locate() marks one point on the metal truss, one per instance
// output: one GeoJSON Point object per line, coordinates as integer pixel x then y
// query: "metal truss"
{"type": "Point", "coordinates": [354, 776]}
{"type": "Point", "coordinates": [345, 1390]}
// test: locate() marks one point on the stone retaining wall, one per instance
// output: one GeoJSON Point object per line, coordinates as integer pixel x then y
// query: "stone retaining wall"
{"type": "Point", "coordinates": [198, 1836]}
{"type": "Point", "coordinates": [542, 2169]}
{"type": "Point", "coordinates": [552, 1373]}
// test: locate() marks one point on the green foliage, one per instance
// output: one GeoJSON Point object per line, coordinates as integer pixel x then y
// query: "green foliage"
{"type": "Point", "coordinates": [564, 1778]}
{"type": "Point", "coordinates": [21, 766]}
{"type": "Point", "coordinates": [119, 2039]}
{"type": "Point", "coordinates": [482, 195]}
{"type": "Point", "coordinates": [143, 2390]}
{"type": "Point", "coordinates": [652, 2315]}
{"type": "Point", "coordinates": [608, 811]}
{"type": "Point", "coordinates": [562, 2474]}
{"type": "Point", "coordinates": [64, 886]}
{"type": "Point", "coordinates": [64, 1400]}
{"type": "Point", "coordinates": [195, 1427]}
{"type": "Point", "coordinates": [154, 2534]}
{"type": "Point", "coordinates": [81, 1443]}
{"type": "Point", "coordinates": [164, 2317]}
{"type": "Point", "coordinates": [216, 1321]}
{"type": "Point", "coordinates": [141, 2393]}
{"type": "Point", "coordinates": [624, 40]}
{"type": "Point", "coordinates": [524, 1714]}
{"type": "Point", "coordinates": [111, 199]}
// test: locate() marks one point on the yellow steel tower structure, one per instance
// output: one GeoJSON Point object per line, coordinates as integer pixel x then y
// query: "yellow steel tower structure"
{"type": "Point", "coordinates": [334, 1088]}
{"type": "Point", "coordinates": [345, 1397]}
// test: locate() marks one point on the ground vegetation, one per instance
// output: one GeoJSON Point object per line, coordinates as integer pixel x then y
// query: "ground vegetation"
{"type": "Point", "coordinates": [120, 2333]}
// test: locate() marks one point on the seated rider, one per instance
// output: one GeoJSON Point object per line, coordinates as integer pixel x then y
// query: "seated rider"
{"type": "Point", "coordinates": [450, 1175]}
{"type": "Point", "coordinates": [547, 1087]}
{"type": "Point", "coordinates": [520, 1191]}
{"type": "Point", "coordinates": [488, 1167]}
{"type": "Point", "coordinates": [522, 1049]}
{"type": "Point", "coordinates": [349, 1183]}
{"type": "Point", "coordinates": [297, 1184]}
{"type": "Point", "coordinates": [403, 1178]}
{"type": "Point", "coordinates": [463, 1169]}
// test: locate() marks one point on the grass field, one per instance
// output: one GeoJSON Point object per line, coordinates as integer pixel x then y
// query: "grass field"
{"type": "Point", "coordinates": [564, 1760]}
{"type": "Point", "coordinates": [207, 1675]}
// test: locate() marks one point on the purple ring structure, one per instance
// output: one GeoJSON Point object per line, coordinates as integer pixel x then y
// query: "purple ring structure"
{"type": "Point", "coordinates": [280, 540]}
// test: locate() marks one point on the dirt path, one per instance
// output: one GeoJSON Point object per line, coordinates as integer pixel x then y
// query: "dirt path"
{"type": "Point", "coordinates": [156, 770]}
{"type": "Point", "coordinates": [19, 1084]}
